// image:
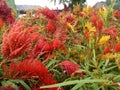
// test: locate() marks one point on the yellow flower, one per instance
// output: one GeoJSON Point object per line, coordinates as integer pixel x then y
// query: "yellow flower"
{"type": "Point", "coordinates": [103, 12]}
{"type": "Point", "coordinates": [76, 8]}
{"type": "Point", "coordinates": [89, 27]}
{"type": "Point", "coordinates": [69, 26]}
{"type": "Point", "coordinates": [110, 56]}
{"type": "Point", "coordinates": [117, 61]}
{"type": "Point", "coordinates": [87, 10]}
{"type": "Point", "coordinates": [104, 39]}
{"type": "Point", "coordinates": [118, 39]}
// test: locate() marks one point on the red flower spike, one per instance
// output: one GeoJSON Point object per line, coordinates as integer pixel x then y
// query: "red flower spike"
{"type": "Point", "coordinates": [6, 12]}
{"type": "Point", "coordinates": [94, 19]}
{"type": "Point", "coordinates": [1, 22]}
{"type": "Point", "coordinates": [117, 14]}
{"type": "Point", "coordinates": [51, 27]}
{"type": "Point", "coordinates": [8, 87]}
{"type": "Point", "coordinates": [69, 18]}
{"type": "Point", "coordinates": [41, 48]}
{"type": "Point", "coordinates": [28, 69]}
{"type": "Point", "coordinates": [71, 67]}
{"type": "Point", "coordinates": [106, 50]}
{"type": "Point", "coordinates": [99, 25]}
{"type": "Point", "coordinates": [50, 14]}
{"type": "Point", "coordinates": [56, 43]}
{"type": "Point", "coordinates": [61, 33]}
{"type": "Point", "coordinates": [86, 34]}
{"type": "Point", "coordinates": [112, 31]}
{"type": "Point", "coordinates": [17, 41]}
{"type": "Point", "coordinates": [117, 47]}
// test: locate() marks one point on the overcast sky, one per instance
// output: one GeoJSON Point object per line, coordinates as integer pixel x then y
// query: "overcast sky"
{"type": "Point", "coordinates": [47, 3]}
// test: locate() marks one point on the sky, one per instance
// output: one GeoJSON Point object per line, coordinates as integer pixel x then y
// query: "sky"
{"type": "Point", "coordinates": [47, 3]}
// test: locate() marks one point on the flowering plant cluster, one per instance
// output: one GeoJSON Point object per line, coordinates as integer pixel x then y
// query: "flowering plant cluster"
{"type": "Point", "coordinates": [67, 50]}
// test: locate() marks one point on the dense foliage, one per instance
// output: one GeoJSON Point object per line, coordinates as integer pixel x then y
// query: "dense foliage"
{"type": "Point", "coordinates": [67, 50]}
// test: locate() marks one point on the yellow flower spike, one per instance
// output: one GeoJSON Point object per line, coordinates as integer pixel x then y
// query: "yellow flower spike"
{"type": "Point", "coordinates": [76, 8]}
{"type": "Point", "coordinates": [104, 39]}
{"type": "Point", "coordinates": [87, 10]}
{"type": "Point", "coordinates": [89, 27]}
{"type": "Point", "coordinates": [69, 26]}
{"type": "Point", "coordinates": [110, 56]}
{"type": "Point", "coordinates": [82, 57]}
{"type": "Point", "coordinates": [103, 11]}
{"type": "Point", "coordinates": [118, 39]}
{"type": "Point", "coordinates": [117, 61]}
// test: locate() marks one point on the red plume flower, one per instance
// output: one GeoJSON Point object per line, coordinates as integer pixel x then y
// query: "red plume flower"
{"type": "Point", "coordinates": [117, 47]}
{"type": "Point", "coordinates": [117, 14]}
{"type": "Point", "coordinates": [56, 43]}
{"type": "Point", "coordinates": [69, 18]}
{"type": "Point", "coordinates": [51, 27]}
{"type": "Point", "coordinates": [1, 22]}
{"type": "Point", "coordinates": [106, 50]}
{"type": "Point", "coordinates": [29, 69]}
{"type": "Point", "coordinates": [6, 12]}
{"type": "Point", "coordinates": [17, 41]}
{"type": "Point", "coordinates": [50, 14]}
{"type": "Point", "coordinates": [71, 67]}
{"type": "Point", "coordinates": [112, 31]}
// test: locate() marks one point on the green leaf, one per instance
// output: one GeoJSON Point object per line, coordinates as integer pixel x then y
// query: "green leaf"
{"type": "Point", "coordinates": [80, 82]}
{"type": "Point", "coordinates": [108, 69]}
{"type": "Point", "coordinates": [52, 62]}
{"type": "Point", "coordinates": [77, 86]}
{"type": "Point", "coordinates": [22, 83]}
{"type": "Point", "coordinates": [5, 83]}
{"type": "Point", "coordinates": [25, 85]}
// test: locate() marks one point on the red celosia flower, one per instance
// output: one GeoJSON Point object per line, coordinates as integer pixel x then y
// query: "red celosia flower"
{"type": "Point", "coordinates": [29, 69]}
{"type": "Point", "coordinates": [86, 34]}
{"type": "Point", "coordinates": [69, 18]}
{"type": "Point", "coordinates": [6, 12]}
{"type": "Point", "coordinates": [97, 21]}
{"type": "Point", "coordinates": [94, 19]}
{"type": "Point", "coordinates": [1, 23]}
{"type": "Point", "coordinates": [99, 25]}
{"type": "Point", "coordinates": [117, 14]}
{"type": "Point", "coordinates": [117, 47]}
{"type": "Point", "coordinates": [61, 33]}
{"type": "Point", "coordinates": [71, 67]}
{"type": "Point", "coordinates": [107, 50]}
{"type": "Point", "coordinates": [17, 41]}
{"type": "Point", "coordinates": [42, 48]}
{"type": "Point", "coordinates": [112, 31]}
{"type": "Point", "coordinates": [50, 14]}
{"type": "Point", "coordinates": [56, 43]}
{"type": "Point", "coordinates": [7, 87]}
{"type": "Point", "coordinates": [51, 27]}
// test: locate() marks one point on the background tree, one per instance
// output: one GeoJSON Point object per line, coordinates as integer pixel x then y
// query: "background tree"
{"type": "Point", "coordinates": [71, 2]}
{"type": "Point", "coordinates": [117, 3]}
